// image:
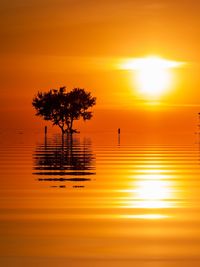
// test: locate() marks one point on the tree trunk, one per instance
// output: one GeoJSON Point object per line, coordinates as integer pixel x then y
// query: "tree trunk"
{"type": "Point", "coordinates": [70, 126]}
{"type": "Point", "coordinates": [62, 128]}
{"type": "Point", "coordinates": [71, 130]}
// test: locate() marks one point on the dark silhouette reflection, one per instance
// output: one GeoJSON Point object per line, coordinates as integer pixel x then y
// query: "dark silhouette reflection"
{"type": "Point", "coordinates": [64, 159]}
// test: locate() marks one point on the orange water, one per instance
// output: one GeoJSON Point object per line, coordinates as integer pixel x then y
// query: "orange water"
{"type": "Point", "coordinates": [98, 201]}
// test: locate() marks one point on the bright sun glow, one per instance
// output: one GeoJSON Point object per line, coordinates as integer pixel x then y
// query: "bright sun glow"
{"type": "Point", "coordinates": [153, 190]}
{"type": "Point", "coordinates": [153, 76]}
{"type": "Point", "coordinates": [153, 193]}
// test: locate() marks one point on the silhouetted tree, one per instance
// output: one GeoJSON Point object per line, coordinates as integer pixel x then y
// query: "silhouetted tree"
{"type": "Point", "coordinates": [62, 108]}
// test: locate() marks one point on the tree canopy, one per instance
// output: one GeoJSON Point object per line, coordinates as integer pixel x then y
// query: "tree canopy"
{"type": "Point", "coordinates": [62, 108]}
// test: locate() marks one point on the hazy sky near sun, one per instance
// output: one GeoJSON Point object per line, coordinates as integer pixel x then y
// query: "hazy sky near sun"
{"type": "Point", "coordinates": [50, 43]}
{"type": "Point", "coordinates": [99, 28]}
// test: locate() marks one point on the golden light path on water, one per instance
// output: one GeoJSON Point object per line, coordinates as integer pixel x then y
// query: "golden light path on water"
{"type": "Point", "coordinates": [153, 189]}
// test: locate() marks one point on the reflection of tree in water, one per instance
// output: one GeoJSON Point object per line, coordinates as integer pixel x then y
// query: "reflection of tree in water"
{"type": "Point", "coordinates": [64, 159]}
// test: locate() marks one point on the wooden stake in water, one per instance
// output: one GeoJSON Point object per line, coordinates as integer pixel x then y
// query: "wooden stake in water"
{"type": "Point", "coordinates": [119, 132]}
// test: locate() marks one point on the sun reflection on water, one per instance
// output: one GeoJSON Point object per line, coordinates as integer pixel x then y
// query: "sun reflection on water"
{"type": "Point", "coordinates": [153, 190]}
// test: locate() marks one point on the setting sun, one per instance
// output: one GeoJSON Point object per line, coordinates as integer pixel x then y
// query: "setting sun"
{"type": "Point", "coordinates": [153, 75]}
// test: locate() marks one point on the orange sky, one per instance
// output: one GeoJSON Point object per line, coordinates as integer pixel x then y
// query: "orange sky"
{"type": "Point", "coordinates": [50, 43]}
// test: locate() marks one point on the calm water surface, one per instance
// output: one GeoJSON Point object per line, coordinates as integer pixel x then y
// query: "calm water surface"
{"type": "Point", "coordinates": [92, 201]}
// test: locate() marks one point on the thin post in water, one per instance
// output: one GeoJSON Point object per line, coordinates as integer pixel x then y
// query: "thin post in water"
{"type": "Point", "coordinates": [119, 132]}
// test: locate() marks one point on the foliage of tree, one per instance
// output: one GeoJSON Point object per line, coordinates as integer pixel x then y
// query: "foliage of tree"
{"type": "Point", "coordinates": [62, 108]}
